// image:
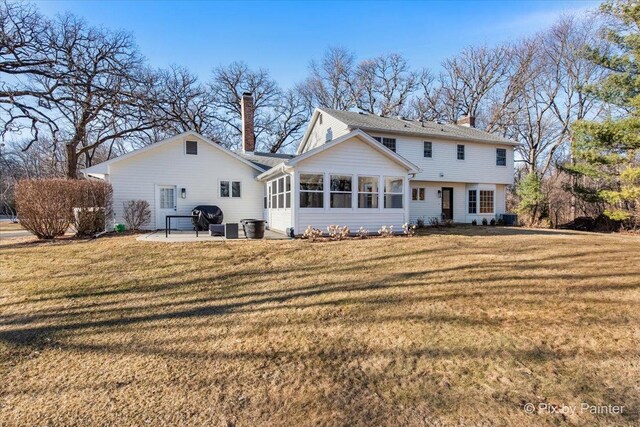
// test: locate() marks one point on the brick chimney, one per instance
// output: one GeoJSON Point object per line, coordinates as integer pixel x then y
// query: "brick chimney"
{"type": "Point", "coordinates": [248, 136]}
{"type": "Point", "coordinates": [468, 121]}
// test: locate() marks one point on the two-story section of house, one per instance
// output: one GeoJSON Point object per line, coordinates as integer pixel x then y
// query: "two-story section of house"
{"type": "Point", "coordinates": [354, 169]}
{"type": "Point", "coordinates": [463, 171]}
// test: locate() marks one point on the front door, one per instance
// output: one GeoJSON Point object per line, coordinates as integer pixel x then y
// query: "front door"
{"type": "Point", "coordinates": [165, 204]}
{"type": "Point", "coordinates": [447, 203]}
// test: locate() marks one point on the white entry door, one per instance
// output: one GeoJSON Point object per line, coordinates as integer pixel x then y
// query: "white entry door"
{"type": "Point", "coordinates": [165, 205]}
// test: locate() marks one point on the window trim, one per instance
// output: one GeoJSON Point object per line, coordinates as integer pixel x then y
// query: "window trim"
{"type": "Point", "coordinates": [385, 192]}
{"type": "Point", "coordinates": [505, 157]}
{"type": "Point", "coordinates": [230, 183]}
{"type": "Point", "coordinates": [300, 191]}
{"type": "Point", "coordinates": [424, 143]}
{"type": "Point", "coordinates": [330, 174]}
{"type": "Point", "coordinates": [186, 152]}
{"type": "Point", "coordinates": [464, 152]}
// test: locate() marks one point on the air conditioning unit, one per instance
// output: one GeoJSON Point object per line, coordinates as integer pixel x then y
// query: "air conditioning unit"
{"type": "Point", "coordinates": [509, 218]}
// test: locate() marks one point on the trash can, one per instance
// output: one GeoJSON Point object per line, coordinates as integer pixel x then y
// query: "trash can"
{"type": "Point", "coordinates": [253, 228]}
{"type": "Point", "coordinates": [119, 228]}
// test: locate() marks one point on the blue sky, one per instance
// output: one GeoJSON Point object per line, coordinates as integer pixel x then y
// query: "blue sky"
{"type": "Point", "coordinates": [284, 36]}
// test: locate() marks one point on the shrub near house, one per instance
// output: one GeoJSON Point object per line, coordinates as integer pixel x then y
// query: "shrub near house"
{"type": "Point", "coordinates": [48, 207]}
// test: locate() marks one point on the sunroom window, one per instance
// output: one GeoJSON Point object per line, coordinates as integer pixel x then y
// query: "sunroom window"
{"type": "Point", "coordinates": [340, 195]}
{"type": "Point", "coordinates": [311, 190]}
{"type": "Point", "coordinates": [393, 192]}
{"type": "Point", "coordinates": [368, 192]}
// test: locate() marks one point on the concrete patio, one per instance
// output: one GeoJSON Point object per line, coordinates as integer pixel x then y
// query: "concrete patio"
{"type": "Point", "coordinates": [183, 236]}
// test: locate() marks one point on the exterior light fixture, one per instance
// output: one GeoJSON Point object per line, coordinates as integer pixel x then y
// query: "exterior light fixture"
{"type": "Point", "coordinates": [183, 193]}
{"type": "Point", "coordinates": [439, 194]}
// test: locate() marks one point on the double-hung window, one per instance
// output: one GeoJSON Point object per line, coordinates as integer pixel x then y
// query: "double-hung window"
{"type": "Point", "coordinates": [460, 152]}
{"type": "Point", "coordinates": [473, 201]}
{"type": "Point", "coordinates": [501, 157]}
{"type": "Point", "coordinates": [340, 191]}
{"type": "Point", "coordinates": [393, 192]}
{"type": "Point", "coordinates": [390, 143]}
{"type": "Point", "coordinates": [486, 201]}
{"type": "Point", "coordinates": [368, 192]}
{"type": "Point", "coordinates": [311, 190]}
{"type": "Point", "coordinates": [428, 149]}
{"type": "Point", "coordinates": [230, 189]}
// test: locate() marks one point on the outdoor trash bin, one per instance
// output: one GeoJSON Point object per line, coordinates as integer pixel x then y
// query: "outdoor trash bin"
{"type": "Point", "coordinates": [253, 228]}
{"type": "Point", "coordinates": [119, 228]}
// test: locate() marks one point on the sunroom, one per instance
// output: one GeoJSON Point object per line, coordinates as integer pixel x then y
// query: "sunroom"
{"type": "Point", "coordinates": [352, 181]}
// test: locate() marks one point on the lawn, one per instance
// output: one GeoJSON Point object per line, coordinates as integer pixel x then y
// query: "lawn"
{"type": "Point", "coordinates": [459, 327]}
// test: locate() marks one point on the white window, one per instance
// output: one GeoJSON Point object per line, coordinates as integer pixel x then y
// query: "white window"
{"type": "Point", "coordinates": [473, 201]}
{"type": "Point", "coordinates": [417, 193]}
{"type": "Point", "coordinates": [460, 151]}
{"type": "Point", "coordinates": [390, 143]}
{"type": "Point", "coordinates": [340, 191]}
{"type": "Point", "coordinates": [230, 189]}
{"type": "Point", "coordinates": [486, 201]}
{"type": "Point", "coordinates": [428, 149]}
{"type": "Point", "coordinates": [167, 198]}
{"type": "Point", "coordinates": [279, 191]}
{"type": "Point", "coordinates": [393, 191]}
{"type": "Point", "coordinates": [501, 157]}
{"type": "Point", "coordinates": [311, 190]}
{"type": "Point", "coordinates": [191, 147]}
{"type": "Point", "coordinates": [368, 192]}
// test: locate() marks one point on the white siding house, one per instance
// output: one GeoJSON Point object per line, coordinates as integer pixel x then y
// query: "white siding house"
{"type": "Point", "coordinates": [174, 182]}
{"type": "Point", "coordinates": [353, 169]}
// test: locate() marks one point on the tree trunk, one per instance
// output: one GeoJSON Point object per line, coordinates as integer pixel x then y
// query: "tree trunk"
{"type": "Point", "coordinates": [72, 162]}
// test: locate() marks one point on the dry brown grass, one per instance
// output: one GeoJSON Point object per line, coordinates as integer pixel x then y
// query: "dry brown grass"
{"type": "Point", "coordinates": [10, 226]}
{"type": "Point", "coordinates": [462, 327]}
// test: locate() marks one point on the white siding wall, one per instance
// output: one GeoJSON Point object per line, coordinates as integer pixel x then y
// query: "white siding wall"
{"type": "Point", "coordinates": [138, 176]}
{"type": "Point", "coordinates": [431, 207]}
{"type": "Point", "coordinates": [479, 165]}
{"type": "Point", "coordinates": [330, 128]}
{"type": "Point", "coordinates": [352, 157]}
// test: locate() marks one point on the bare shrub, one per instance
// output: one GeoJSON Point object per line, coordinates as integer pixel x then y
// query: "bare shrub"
{"type": "Point", "coordinates": [337, 232]}
{"type": "Point", "coordinates": [362, 233]}
{"type": "Point", "coordinates": [409, 229]}
{"type": "Point", "coordinates": [44, 206]}
{"type": "Point", "coordinates": [92, 203]}
{"type": "Point", "coordinates": [312, 234]}
{"type": "Point", "coordinates": [47, 207]}
{"type": "Point", "coordinates": [386, 231]}
{"type": "Point", "coordinates": [136, 214]}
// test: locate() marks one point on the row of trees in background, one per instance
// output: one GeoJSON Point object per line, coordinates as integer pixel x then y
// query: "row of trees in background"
{"type": "Point", "coordinates": [83, 94]}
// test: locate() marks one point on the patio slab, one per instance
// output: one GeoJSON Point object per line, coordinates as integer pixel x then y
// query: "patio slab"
{"type": "Point", "coordinates": [183, 236]}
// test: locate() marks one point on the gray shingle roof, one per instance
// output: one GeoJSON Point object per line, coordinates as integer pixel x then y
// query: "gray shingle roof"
{"type": "Point", "coordinates": [266, 160]}
{"type": "Point", "coordinates": [372, 122]}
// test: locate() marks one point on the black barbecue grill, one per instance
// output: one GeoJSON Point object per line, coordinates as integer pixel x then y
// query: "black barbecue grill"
{"type": "Point", "coordinates": [203, 215]}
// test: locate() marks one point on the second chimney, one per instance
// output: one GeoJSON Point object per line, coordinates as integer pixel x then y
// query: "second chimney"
{"type": "Point", "coordinates": [248, 136]}
{"type": "Point", "coordinates": [468, 121]}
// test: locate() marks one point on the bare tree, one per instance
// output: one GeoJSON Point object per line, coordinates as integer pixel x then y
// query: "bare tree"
{"type": "Point", "coordinates": [384, 84]}
{"type": "Point", "coordinates": [331, 82]}
{"type": "Point", "coordinates": [279, 115]}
